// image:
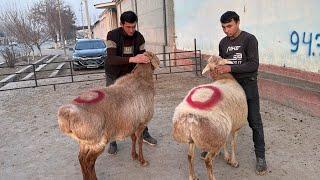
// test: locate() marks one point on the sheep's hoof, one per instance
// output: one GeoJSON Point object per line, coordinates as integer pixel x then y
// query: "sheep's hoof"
{"type": "Point", "coordinates": [233, 164]}
{"type": "Point", "coordinates": [144, 163]}
{"type": "Point", "coordinates": [227, 158]}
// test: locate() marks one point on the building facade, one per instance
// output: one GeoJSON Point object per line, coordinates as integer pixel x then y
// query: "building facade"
{"type": "Point", "coordinates": [155, 21]}
{"type": "Point", "coordinates": [288, 31]}
{"type": "Point", "coordinates": [107, 21]}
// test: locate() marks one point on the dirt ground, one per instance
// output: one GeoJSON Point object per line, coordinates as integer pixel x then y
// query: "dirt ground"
{"type": "Point", "coordinates": [32, 146]}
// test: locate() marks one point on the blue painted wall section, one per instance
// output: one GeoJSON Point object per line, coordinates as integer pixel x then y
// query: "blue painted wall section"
{"type": "Point", "coordinates": [306, 38]}
{"type": "Point", "coordinates": [288, 31]}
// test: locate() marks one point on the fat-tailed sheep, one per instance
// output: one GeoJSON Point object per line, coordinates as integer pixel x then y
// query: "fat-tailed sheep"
{"type": "Point", "coordinates": [112, 113]}
{"type": "Point", "coordinates": [208, 115]}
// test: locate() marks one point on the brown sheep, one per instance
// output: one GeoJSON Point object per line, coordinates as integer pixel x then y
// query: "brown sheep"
{"type": "Point", "coordinates": [208, 115]}
{"type": "Point", "coordinates": [112, 113]}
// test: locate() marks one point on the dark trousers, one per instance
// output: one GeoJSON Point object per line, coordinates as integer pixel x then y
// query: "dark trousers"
{"type": "Point", "coordinates": [254, 117]}
{"type": "Point", "coordinates": [110, 80]}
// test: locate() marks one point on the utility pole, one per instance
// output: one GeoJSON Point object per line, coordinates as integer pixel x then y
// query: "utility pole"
{"type": "Point", "coordinates": [61, 30]}
{"type": "Point", "coordinates": [88, 18]}
{"type": "Point", "coordinates": [81, 15]}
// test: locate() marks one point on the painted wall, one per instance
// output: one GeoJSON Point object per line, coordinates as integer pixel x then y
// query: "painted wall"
{"type": "Point", "coordinates": [151, 21]}
{"type": "Point", "coordinates": [288, 31]}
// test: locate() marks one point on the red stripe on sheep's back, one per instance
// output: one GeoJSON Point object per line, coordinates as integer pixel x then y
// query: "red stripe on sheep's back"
{"type": "Point", "coordinates": [90, 97]}
{"type": "Point", "coordinates": [212, 100]}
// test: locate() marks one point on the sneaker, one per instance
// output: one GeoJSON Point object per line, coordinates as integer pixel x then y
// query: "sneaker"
{"type": "Point", "coordinates": [113, 148]}
{"type": "Point", "coordinates": [149, 140]}
{"type": "Point", "coordinates": [261, 166]}
{"type": "Point", "coordinates": [203, 155]}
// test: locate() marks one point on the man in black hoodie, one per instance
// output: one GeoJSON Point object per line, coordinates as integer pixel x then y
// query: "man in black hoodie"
{"type": "Point", "coordinates": [241, 48]}
{"type": "Point", "coordinates": [125, 48]}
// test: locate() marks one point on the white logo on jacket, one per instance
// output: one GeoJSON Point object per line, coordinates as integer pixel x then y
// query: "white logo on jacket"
{"type": "Point", "coordinates": [233, 48]}
{"type": "Point", "coordinates": [128, 50]}
{"type": "Point", "coordinates": [237, 58]}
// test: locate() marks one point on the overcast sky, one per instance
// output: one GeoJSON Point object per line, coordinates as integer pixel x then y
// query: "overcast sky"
{"type": "Point", "coordinates": [75, 5]}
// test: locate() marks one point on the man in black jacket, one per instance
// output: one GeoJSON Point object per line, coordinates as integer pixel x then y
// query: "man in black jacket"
{"type": "Point", "coordinates": [241, 48]}
{"type": "Point", "coordinates": [125, 48]}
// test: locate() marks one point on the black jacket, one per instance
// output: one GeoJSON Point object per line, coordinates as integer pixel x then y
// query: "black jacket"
{"type": "Point", "coordinates": [243, 51]}
{"type": "Point", "coordinates": [117, 63]}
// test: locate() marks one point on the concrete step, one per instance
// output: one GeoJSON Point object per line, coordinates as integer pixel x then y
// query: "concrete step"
{"type": "Point", "coordinates": [41, 66]}
{"type": "Point", "coordinates": [55, 72]}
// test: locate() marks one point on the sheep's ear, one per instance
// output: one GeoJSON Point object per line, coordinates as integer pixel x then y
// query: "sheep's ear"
{"type": "Point", "coordinates": [229, 62]}
{"type": "Point", "coordinates": [214, 59]}
{"type": "Point", "coordinates": [225, 61]}
{"type": "Point", "coordinates": [155, 62]}
{"type": "Point", "coordinates": [153, 59]}
{"type": "Point", "coordinates": [211, 59]}
{"type": "Point", "coordinates": [206, 69]}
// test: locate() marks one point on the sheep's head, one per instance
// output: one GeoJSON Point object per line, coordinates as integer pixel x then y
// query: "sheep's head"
{"type": "Point", "coordinates": [154, 60]}
{"type": "Point", "coordinates": [215, 61]}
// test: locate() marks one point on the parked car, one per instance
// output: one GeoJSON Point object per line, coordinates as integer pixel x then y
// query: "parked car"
{"type": "Point", "coordinates": [89, 53]}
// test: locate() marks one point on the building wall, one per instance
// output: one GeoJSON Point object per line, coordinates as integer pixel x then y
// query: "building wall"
{"type": "Point", "coordinates": [288, 31]}
{"type": "Point", "coordinates": [106, 23]}
{"type": "Point", "coordinates": [151, 22]}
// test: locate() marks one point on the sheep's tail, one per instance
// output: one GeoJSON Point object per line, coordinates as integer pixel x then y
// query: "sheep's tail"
{"type": "Point", "coordinates": [183, 127]}
{"type": "Point", "coordinates": [203, 132]}
{"type": "Point", "coordinates": [66, 114]}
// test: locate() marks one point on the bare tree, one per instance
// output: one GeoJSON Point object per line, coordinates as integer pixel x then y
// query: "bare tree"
{"type": "Point", "coordinates": [68, 22]}
{"type": "Point", "coordinates": [39, 33]}
{"type": "Point", "coordinates": [47, 12]}
{"type": "Point", "coordinates": [17, 26]}
{"type": "Point", "coordinates": [35, 26]}
{"type": "Point", "coordinates": [9, 56]}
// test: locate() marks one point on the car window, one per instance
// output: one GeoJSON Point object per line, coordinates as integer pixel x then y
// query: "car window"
{"type": "Point", "coordinates": [90, 45]}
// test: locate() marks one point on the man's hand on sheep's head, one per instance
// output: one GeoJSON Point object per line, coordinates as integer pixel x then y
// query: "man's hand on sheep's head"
{"type": "Point", "coordinates": [140, 58]}
{"type": "Point", "coordinates": [214, 73]}
{"type": "Point", "coordinates": [222, 69]}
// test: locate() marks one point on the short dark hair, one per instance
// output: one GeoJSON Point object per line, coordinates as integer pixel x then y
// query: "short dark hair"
{"type": "Point", "coordinates": [228, 16]}
{"type": "Point", "coordinates": [128, 16]}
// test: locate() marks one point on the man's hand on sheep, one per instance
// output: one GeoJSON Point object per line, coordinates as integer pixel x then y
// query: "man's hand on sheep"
{"type": "Point", "coordinates": [140, 58]}
{"type": "Point", "coordinates": [223, 69]}
{"type": "Point", "coordinates": [214, 74]}
{"type": "Point", "coordinates": [220, 70]}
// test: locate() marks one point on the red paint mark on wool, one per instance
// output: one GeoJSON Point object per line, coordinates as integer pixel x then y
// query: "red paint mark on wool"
{"type": "Point", "coordinates": [214, 99]}
{"type": "Point", "coordinates": [97, 96]}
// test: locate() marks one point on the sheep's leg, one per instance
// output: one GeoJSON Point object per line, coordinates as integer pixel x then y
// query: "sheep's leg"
{"type": "Point", "coordinates": [134, 154]}
{"type": "Point", "coordinates": [226, 155]}
{"type": "Point", "coordinates": [138, 133]}
{"type": "Point", "coordinates": [233, 162]}
{"type": "Point", "coordinates": [87, 158]}
{"type": "Point", "coordinates": [192, 175]}
{"type": "Point", "coordinates": [209, 165]}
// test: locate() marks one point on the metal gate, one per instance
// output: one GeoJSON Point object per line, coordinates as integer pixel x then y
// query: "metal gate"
{"type": "Point", "coordinates": [49, 72]}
